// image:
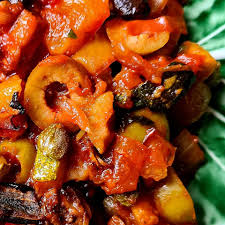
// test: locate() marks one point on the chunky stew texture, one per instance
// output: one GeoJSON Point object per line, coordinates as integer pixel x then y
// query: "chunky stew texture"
{"type": "Point", "coordinates": [97, 98]}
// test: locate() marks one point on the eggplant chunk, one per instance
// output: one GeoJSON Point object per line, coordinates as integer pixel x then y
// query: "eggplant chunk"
{"type": "Point", "coordinates": [173, 201]}
{"type": "Point", "coordinates": [136, 124]}
{"type": "Point", "coordinates": [18, 204]}
{"type": "Point", "coordinates": [161, 98]}
{"type": "Point", "coordinates": [130, 9]}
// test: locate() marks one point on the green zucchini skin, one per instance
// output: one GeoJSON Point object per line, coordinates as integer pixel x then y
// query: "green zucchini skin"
{"type": "Point", "coordinates": [143, 95]}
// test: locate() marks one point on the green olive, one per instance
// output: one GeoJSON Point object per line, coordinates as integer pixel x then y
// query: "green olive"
{"type": "Point", "coordinates": [53, 141]}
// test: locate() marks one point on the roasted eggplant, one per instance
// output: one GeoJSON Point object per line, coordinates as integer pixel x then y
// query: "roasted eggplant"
{"type": "Point", "coordinates": [161, 98]}
{"type": "Point", "coordinates": [130, 9]}
{"type": "Point", "coordinates": [18, 204]}
{"type": "Point", "coordinates": [136, 124]}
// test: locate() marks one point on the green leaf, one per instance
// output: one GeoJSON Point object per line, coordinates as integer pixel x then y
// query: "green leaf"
{"type": "Point", "coordinates": [71, 34]}
{"type": "Point", "coordinates": [206, 25]}
{"type": "Point", "coordinates": [207, 189]}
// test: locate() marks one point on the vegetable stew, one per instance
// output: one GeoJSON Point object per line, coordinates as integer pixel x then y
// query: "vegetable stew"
{"type": "Point", "coordinates": [96, 101]}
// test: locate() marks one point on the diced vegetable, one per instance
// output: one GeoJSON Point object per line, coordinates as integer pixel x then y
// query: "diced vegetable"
{"type": "Point", "coordinates": [25, 152]}
{"type": "Point", "coordinates": [123, 83]}
{"type": "Point", "coordinates": [136, 130]}
{"type": "Point", "coordinates": [159, 157]}
{"type": "Point", "coordinates": [139, 212]}
{"type": "Point", "coordinates": [81, 159]}
{"type": "Point", "coordinates": [96, 55]}
{"type": "Point", "coordinates": [52, 145]}
{"type": "Point", "coordinates": [161, 98]}
{"type": "Point", "coordinates": [19, 205]}
{"type": "Point", "coordinates": [58, 39]}
{"type": "Point", "coordinates": [8, 12]}
{"type": "Point", "coordinates": [144, 213]}
{"type": "Point", "coordinates": [94, 13]}
{"type": "Point", "coordinates": [159, 119]}
{"type": "Point", "coordinates": [200, 60]}
{"type": "Point", "coordinates": [173, 201]}
{"type": "Point", "coordinates": [192, 106]}
{"type": "Point", "coordinates": [19, 36]}
{"type": "Point", "coordinates": [136, 124]}
{"type": "Point", "coordinates": [189, 156]}
{"type": "Point", "coordinates": [99, 119]}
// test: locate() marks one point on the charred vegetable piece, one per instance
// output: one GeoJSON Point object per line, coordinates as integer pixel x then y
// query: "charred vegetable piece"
{"type": "Point", "coordinates": [131, 8]}
{"type": "Point", "coordinates": [15, 104]}
{"type": "Point", "coordinates": [136, 124]}
{"type": "Point", "coordinates": [66, 206]}
{"type": "Point", "coordinates": [74, 208]}
{"type": "Point", "coordinates": [173, 201]}
{"type": "Point", "coordinates": [191, 106]}
{"type": "Point", "coordinates": [52, 145]}
{"type": "Point", "coordinates": [18, 204]}
{"type": "Point", "coordinates": [161, 98]}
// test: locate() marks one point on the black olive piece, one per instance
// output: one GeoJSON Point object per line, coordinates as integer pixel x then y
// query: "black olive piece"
{"type": "Point", "coordinates": [130, 9]}
{"type": "Point", "coordinates": [18, 204]}
{"type": "Point", "coordinates": [15, 104]}
{"type": "Point", "coordinates": [175, 84]}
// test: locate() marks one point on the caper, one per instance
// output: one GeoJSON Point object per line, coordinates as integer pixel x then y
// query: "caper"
{"type": "Point", "coordinates": [53, 141]}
